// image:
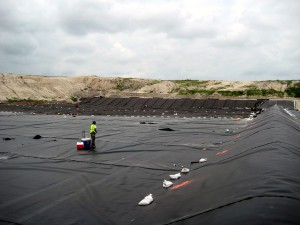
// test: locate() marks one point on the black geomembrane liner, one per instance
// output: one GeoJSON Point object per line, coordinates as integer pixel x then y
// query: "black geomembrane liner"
{"type": "Point", "coordinates": [251, 175]}
{"type": "Point", "coordinates": [134, 106]}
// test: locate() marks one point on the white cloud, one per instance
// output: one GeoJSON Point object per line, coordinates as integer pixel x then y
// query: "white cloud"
{"type": "Point", "coordinates": [180, 39]}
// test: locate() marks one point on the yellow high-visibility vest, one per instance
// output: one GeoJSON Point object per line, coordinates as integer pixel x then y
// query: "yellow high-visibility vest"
{"type": "Point", "coordinates": [92, 129]}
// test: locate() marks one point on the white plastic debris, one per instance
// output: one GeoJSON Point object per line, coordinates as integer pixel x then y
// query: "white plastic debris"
{"type": "Point", "coordinates": [167, 184]}
{"type": "Point", "coordinates": [175, 176]}
{"type": "Point", "coordinates": [227, 130]}
{"type": "Point", "coordinates": [203, 160]}
{"type": "Point", "coordinates": [4, 157]}
{"type": "Point", "coordinates": [185, 170]}
{"type": "Point", "coordinates": [147, 200]}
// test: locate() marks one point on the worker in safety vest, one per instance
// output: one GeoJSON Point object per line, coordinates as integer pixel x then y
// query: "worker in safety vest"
{"type": "Point", "coordinates": [93, 131]}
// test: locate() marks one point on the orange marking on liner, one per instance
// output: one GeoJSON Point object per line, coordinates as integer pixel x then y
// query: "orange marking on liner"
{"type": "Point", "coordinates": [237, 136]}
{"type": "Point", "coordinates": [222, 152]}
{"type": "Point", "coordinates": [181, 185]}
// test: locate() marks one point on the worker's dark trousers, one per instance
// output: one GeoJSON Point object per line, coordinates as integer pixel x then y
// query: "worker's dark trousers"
{"type": "Point", "coordinates": [93, 138]}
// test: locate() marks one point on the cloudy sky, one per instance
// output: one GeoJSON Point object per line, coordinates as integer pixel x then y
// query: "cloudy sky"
{"type": "Point", "coordinates": [160, 39]}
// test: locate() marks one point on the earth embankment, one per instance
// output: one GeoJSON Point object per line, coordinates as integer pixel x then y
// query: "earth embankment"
{"type": "Point", "coordinates": [58, 88]}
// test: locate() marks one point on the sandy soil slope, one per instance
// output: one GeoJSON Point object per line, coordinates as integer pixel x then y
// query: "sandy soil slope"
{"type": "Point", "coordinates": [54, 88]}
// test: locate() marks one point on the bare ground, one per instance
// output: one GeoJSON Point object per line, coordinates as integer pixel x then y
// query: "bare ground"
{"type": "Point", "coordinates": [54, 88]}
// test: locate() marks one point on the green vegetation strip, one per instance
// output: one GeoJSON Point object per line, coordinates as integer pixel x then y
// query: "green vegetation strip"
{"type": "Point", "coordinates": [294, 91]}
{"type": "Point", "coordinates": [196, 91]}
{"type": "Point", "coordinates": [187, 83]}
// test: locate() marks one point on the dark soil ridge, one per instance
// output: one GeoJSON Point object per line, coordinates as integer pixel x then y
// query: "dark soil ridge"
{"type": "Point", "coordinates": [134, 106]}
